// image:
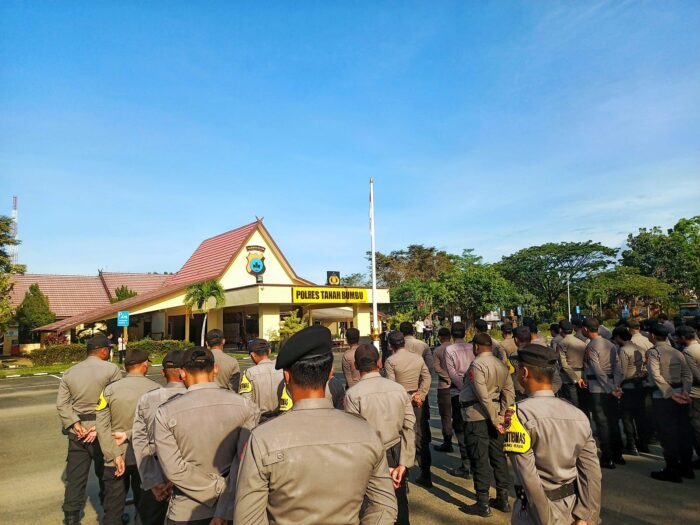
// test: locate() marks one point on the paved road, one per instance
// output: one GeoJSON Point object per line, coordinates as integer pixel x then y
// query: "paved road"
{"type": "Point", "coordinates": [32, 460]}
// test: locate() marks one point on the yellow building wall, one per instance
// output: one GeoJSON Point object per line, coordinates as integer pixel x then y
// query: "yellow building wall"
{"type": "Point", "coordinates": [268, 319]}
{"type": "Point", "coordinates": [362, 318]}
{"type": "Point", "coordinates": [215, 319]}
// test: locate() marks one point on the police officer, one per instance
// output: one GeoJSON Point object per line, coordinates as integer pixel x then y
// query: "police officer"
{"type": "Point", "coordinates": [572, 351]}
{"type": "Point", "coordinates": [291, 466]}
{"type": "Point", "coordinates": [508, 344]}
{"type": "Point", "coordinates": [482, 327]}
{"type": "Point", "coordinates": [156, 489]}
{"type": "Point", "coordinates": [352, 376]}
{"type": "Point", "coordinates": [687, 339]}
{"type": "Point", "coordinates": [262, 384]}
{"type": "Point", "coordinates": [115, 419]}
{"type": "Point", "coordinates": [673, 380]}
{"type": "Point", "coordinates": [387, 407]}
{"type": "Point", "coordinates": [486, 396]}
{"type": "Point", "coordinates": [78, 394]}
{"type": "Point", "coordinates": [229, 374]}
{"type": "Point", "coordinates": [409, 370]}
{"type": "Point", "coordinates": [444, 396]}
{"type": "Point", "coordinates": [603, 377]}
{"type": "Point", "coordinates": [199, 438]}
{"type": "Point", "coordinates": [551, 446]}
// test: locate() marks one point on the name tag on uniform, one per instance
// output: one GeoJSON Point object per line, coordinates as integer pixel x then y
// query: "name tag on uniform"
{"type": "Point", "coordinates": [285, 401]}
{"type": "Point", "coordinates": [246, 386]}
{"type": "Point", "coordinates": [517, 438]}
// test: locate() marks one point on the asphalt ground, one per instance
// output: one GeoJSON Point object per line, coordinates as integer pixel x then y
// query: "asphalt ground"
{"type": "Point", "coordinates": [33, 452]}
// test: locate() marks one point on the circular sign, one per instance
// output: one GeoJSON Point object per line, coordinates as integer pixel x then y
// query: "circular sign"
{"type": "Point", "coordinates": [257, 266]}
{"type": "Point", "coordinates": [334, 280]}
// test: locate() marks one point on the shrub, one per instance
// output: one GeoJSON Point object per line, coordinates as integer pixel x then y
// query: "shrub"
{"type": "Point", "coordinates": [158, 349]}
{"type": "Point", "coordinates": [55, 339]}
{"type": "Point", "coordinates": [61, 353]}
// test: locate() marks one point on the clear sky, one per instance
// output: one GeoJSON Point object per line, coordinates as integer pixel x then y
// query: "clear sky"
{"type": "Point", "coordinates": [131, 131]}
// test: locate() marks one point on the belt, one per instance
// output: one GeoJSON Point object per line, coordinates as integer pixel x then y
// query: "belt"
{"type": "Point", "coordinates": [87, 417]}
{"type": "Point", "coordinates": [577, 369]}
{"type": "Point", "coordinates": [610, 376]}
{"type": "Point", "coordinates": [676, 385]}
{"type": "Point", "coordinates": [637, 381]}
{"type": "Point", "coordinates": [569, 489]}
{"type": "Point", "coordinates": [467, 404]}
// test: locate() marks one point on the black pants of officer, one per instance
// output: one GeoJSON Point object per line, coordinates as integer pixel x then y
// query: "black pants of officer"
{"type": "Point", "coordinates": [674, 431]}
{"type": "Point", "coordinates": [485, 446]}
{"type": "Point", "coordinates": [606, 418]}
{"type": "Point", "coordinates": [151, 511]}
{"type": "Point", "coordinates": [458, 425]}
{"type": "Point", "coordinates": [116, 489]}
{"type": "Point", "coordinates": [632, 415]}
{"type": "Point", "coordinates": [569, 391]}
{"type": "Point", "coordinates": [393, 457]}
{"type": "Point", "coordinates": [444, 400]}
{"type": "Point", "coordinates": [422, 414]}
{"type": "Point", "coordinates": [80, 456]}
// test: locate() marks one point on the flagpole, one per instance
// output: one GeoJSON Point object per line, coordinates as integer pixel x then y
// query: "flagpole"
{"type": "Point", "coordinates": [375, 320]}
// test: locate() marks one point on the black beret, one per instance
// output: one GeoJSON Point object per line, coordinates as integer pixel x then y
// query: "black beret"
{"type": "Point", "coordinates": [97, 341]}
{"type": "Point", "coordinates": [173, 359]}
{"type": "Point", "coordinates": [197, 356]}
{"type": "Point", "coordinates": [135, 357]}
{"type": "Point", "coordinates": [258, 345]}
{"type": "Point", "coordinates": [659, 330]}
{"type": "Point", "coordinates": [312, 341]}
{"type": "Point", "coordinates": [537, 355]}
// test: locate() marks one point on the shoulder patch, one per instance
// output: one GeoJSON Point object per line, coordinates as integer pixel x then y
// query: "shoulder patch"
{"type": "Point", "coordinates": [246, 386]}
{"type": "Point", "coordinates": [511, 368]}
{"type": "Point", "coordinates": [102, 403]}
{"type": "Point", "coordinates": [285, 401]}
{"type": "Point", "coordinates": [517, 438]}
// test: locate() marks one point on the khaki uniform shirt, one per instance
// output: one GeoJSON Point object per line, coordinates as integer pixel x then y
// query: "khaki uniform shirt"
{"type": "Point", "coordinates": [199, 438]}
{"type": "Point", "coordinates": [263, 385]}
{"type": "Point", "coordinates": [315, 465]}
{"type": "Point", "coordinates": [631, 363]}
{"type": "Point", "coordinates": [421, 348]}
{"type": "Point", "coordinates": [143, 433]}
{"type": "Point", "coordinates": [692, 357]}
{"type": "Point", "coordinates": [458, 356]}
{"type": "Point", "coordinates": [554, 343]}
{"type": "Point", "coordinates": [562, 450]}
{"type": "Point", "coordinates": [572, 352]}
{"type": "Point", "coordinates": [602, 367]}
{"type": "Point", "coordinates": [441, 366]}
{"type": "Point", "coordinates": [352, 375]}
{"type": "Point", "coordinates": [80, 388]}
{"type": "Point", "coordinates": [489, 388]}
{"type": "Point", "coordinates": [668, 370]}
{"type": "Point", "coordinates": [508, 344]}
{"type": "Point", "coordinates": [115, 413]}
{"type": "Point", "coordinates": [642, 342]}
{"type": "Point", "coordinates": [387, 407]}
{"type": "Point", "coordinates": [408, 370]}
{"type": "Point", "coordinates": [229, 376]}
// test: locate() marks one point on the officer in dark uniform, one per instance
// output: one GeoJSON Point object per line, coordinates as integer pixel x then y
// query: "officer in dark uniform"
{"type": "Point", "coordinates": [78, 394]}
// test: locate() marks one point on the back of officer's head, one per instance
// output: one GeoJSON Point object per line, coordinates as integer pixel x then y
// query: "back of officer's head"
{"type": "Point", "coordinates": [554, 328]}
{"type": "Point", "coordinates": [307, 358]}
{"type": "Point", "coordinates": [622, 332]}
{"type": "Point", "coordinates": [215, 337]}
{"type": "Point", "coordinates": [198, 359]}
{"type": "Point", "coordinates": [312, 372]}
{"type": "Point", "coordinates": [482, 342]}
{"type": "Point", "coordinates": [662, 317]}
{"type": "Point", "coordinates": [481, 325]}
{"type": "Point", "coordinates": [685, 332]}
{"type": "Point", "coordinates": [633, 324]}
{"type": "Point", "coordinates": [396, 340]}
{"type": "Point", "coordinates": [566, 327]}
{"type": "Point", "coordinates": [406, 328]}
{"type": "Point", "coordinates": [591, 324]}
{"type": "Point", "coordinates": [658, 331]}
{"type": "Point", "coordinates": [532, 325]}
{"type": "Point", "coordinates": [539, 362]}
{"type": "Point", "coordinates": [444, 333]}
{"type": "Point", "coordinates": [98, 345]}
{"type": "Point", "coordinates": [522, 334]}
{"type": "Point", "coordinates": [459, 330]}
{"type": "Point", "coordinates": [352, 335]}
{"type": "Point", "coordinates": [507, 328]}
{"type": "Point", "coordinates": [259, 347]}
{"type": "Point", "coordinates": [366, 358]}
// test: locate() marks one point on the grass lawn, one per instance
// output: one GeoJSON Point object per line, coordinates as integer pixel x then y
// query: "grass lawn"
{"type": "Point", "coordinates": [31, 370]}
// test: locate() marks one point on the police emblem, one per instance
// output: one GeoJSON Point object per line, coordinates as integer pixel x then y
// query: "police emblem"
{"type": "Point", "coordinates": [255, 260]}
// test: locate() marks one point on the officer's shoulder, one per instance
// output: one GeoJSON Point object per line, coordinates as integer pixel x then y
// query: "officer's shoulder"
{"type": "Point", "coordinates": [172, 400]}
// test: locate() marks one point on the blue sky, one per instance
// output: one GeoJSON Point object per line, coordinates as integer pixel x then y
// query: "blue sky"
{"type": "Point", "coordinates": [131, 131]}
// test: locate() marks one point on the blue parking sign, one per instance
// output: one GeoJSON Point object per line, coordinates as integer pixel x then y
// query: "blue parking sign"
{"type": "Point", "coordinates": [123, 318]}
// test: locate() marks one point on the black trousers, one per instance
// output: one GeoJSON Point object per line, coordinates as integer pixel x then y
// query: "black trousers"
{"type": "Point", "coordinates": [80, 456]}
{"type": "Point", "coordinates": [458, 425]}
{"type": "Point", "coordinates": [151, 511]}
{"type": "Point", "coordinates": [605, 413]}
{"type": "Point", "coordinates": [423, 436]}
{"type": "Point", "coordinates": [444, 399]}
{"type": "Point", "coordinates": [116, 490]}
{"type": "Point", "coordinates": [485, 446]}
{"type": "Point", "coordinates": [674, 431]}
{"type": "Point", "coordinates": [393, 457]}
{"type": "Point", "coordinates": [632, 414]}
{"type": "Point", "coordinates": [569, 391]}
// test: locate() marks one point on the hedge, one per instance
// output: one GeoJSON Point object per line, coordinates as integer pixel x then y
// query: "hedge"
{"type": "Point", "coordinates": [70, 353]}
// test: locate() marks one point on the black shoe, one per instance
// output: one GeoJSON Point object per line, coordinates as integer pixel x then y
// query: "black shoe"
{"type": "Point", "coordinates": [479, 509]}
{"type": "Point", "coordinates": [688, 473]}
{"type": "Point", "coordinates": [644, 449]}
{"type": "Point", "coordinates": [460, 472]}
{"type": "Point", "coordinates": [607, 464]}
{"type": "Point", "coordinates": [696, 464]}
{"type": "Point", "coordinates": [667, 475]}
{"type": "Point", "coordinates": [500, 504]}
{"type": "Point", "coordinates": [445, 447]}
{"type": "Point", "coordinates": [71, 518]}
{"type": "Point", "coordinates": [425, 481]}
{"type": "Point", "coordinates": [126, 518]}
{"type": "Point", "coordinates": [619, 460]}
{"type": "Point", "coordinates": [631, 451]}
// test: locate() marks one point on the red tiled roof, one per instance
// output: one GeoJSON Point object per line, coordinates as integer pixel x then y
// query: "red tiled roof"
{"type": "Point", "coordinates": [68, 294]}
{"type": "Point", "coordinates": [140, 283]}
{"type": "Point", "coordinates": [212, 257]}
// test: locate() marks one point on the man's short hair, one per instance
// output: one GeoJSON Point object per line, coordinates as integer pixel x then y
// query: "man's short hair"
{"type": "Point", "coordinates": [312, 372]}
{"type": "Point", "coordinates": [396, 340]}
{"type": "Point", "coordinates": [522, 334]}
{"type": "Point", "coordinates": [663, 317]}
{"type": "Point", "coordinates": [406, 328]}
{"type": "Point", "coordinates": [566, 326]}
{"type": "Point", "coordinates": [532, 325]}
{"type": "Point", "coordinates": [659, 330]}
{"type": "Point", "coordinates": [577, 321]}
{"type": "Point", "coordinates": [591, 324]}
{"type": "Point", "coordinates": [507, 328]}
{"type": "Point", "coordinates": [554, 327]}
{"type": "Point", "coordinates": [366, 357]}
{"type": "Point", "coordinates": [482, 339]}
{"type": "Point", "coordinates": [459, 330]}
{"type": "Point", "coordinates": [258, 347]}
{"type": "Point", "coordinates": [685, 331]}
{"type": "Point", "coordinates": [198, 359]}
{"type": "Point", "coordinates": [622, 332]}
{"type": "Point", "coordinates": [352, 335]}
{"type": "Point", "coordinates": [215, 337]}
{"type": "Point", "coordinates": [633, 324]}
{"type": "Point", "coordinates": [481, 325]}
{"type": "Point", "coordinates": [444, 332]}
{"type": "Point", "coordinates": [541, 374]}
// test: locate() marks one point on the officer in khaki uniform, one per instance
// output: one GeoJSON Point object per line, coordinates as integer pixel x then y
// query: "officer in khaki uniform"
{"type": "Point", "coordinates": [571, 352]}
{"type": "Point", "coordinates": [551, 446]}
{"type": "Point", "coordinates": [508, 343]}
{"type": "Point", "coordinates": [262, 384]}
{"type": "Point", "coordinates": [687, 338]}
{"type": "Point", "coordinates": [669, 372]}
{"type": "Point", "coordinates": [199, 439]}
{"type": "Point", "coordinates": [410, 371]}
{"type": "Point", "coordinates": [633, 373]}
{"type": "Point", "coordinates": [229, 374]}
{"type": "Point", "coordinates": [78, 394]}
{"type": "Point", "coordinates": [444, 396]}
{"type": "Point", "coordinates": [156, 489]}
{"type": "Point", "coordinates": [486, 396]}
{"type": "Point", "coordinates": [352, 376]}
{"type": "Point", "coordinates": [314, 464]}
{"type": "Point", "coordinates": [386, 406]}
{"type": "Point", "coordinates": [115, 420]}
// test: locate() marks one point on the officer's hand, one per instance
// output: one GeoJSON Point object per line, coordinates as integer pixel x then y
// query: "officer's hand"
{"type": "Point", "coordinates": [582, 383]}
{"type": "Point", "coordinates": [501, 429]}
{"type": "Point", "coordinates": [218, 521]}
{"type": "Point", "coordinates": [161, 491]}
{"type": "Point", "coordinates": [119, 437]}
{"type": "Point", "coordinates": [580, 522]}
{"type": "Point", "coordinates": [79, 430]}
{"type": "Point", "coordinates": [397, 475]}
{"type": "Point", "coordinates": [90, 436]}
{"type": "Point", "coordinates": [680, 399]}
{"type": "Point", "coordinates": [617, 393]}
{"type": "Point", "coordinates": [121, 466]}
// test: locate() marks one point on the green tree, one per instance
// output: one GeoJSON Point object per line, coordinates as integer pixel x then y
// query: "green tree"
{"type": "Point", "coordinates": [34, 311]}
{"type": "Point", "coordinates": [199, 296]}
{"type": "Point", "coordinates": [543, 270]}
{"type": "Point", "coordinates": [418, 297]}
{"type": "Point", "coordinates": [354, 279]}
{"type": "Point", "coordinates": [123, 292]}
{"type": "Point", "coordinates": [416, 261]}
{"type": "Point", "coordinates": [7, 269]}
{"type": "Point", "coordinates": [626, 285]}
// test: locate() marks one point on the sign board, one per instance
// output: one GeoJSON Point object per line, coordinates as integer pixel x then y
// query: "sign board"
{"type": "Point", "coordinates": [320, 295]}
{"type": "Point", "coordinates": [123, 318]}
{"type": "Point", "coordinates": [12, 331]}
{"type": "Point", "coordinates": [255, 264]}
{"type": "Point", "coordinates": [519, 311]}
{"type": "Point", "coordinates": [578, 309]}
{"type": "Point", "coordinates": [333, 278]}
{"type": "Point", "coordinates": [457, 319]}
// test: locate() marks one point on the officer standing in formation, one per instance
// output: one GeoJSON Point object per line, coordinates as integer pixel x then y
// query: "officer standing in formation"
{"type": "Point", "coordinates": [387, 407]}
{"type": "Point", "coordinates": [687, 339]}
{"type": "Point", "coordinates": [199, 455]}
{"type": "Point", "coordinates": [115, 419]}
{"type": "Point", "coordinates": [572, 352]}
{"type": "Point", "coordinates": [352, 376]}
{"type": "Point", "coordinates": [78, 395]}
{"type": "Point", "coordinates": [156, 489]}
{"type": "Point", "coordinates": [262, 383]}
{"type": "Point", "coordinates": [508, 343]}
{"type": "Point", "coordinates": [444, 397]}
{"type": "Point", "coordinates": [486, 396]}
{"type": "Point", "coordinates": [558, 479]}
{"type": "Point", "coordinates": [290, 468]}
{"type": "Point", "coordinates": [409, 370]}
{"type": "Point", "coordinates": [633, 374]}
{"type": "Point", "coordinates": [229, 374]}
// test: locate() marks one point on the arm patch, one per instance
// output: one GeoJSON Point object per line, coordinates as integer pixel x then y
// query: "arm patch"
{"type": "Point", "coordinates": [517, 438]}
{"type": "Point", "coordinates": [102, 403]}
{"type": "Point", "coordinates": [246, 386]}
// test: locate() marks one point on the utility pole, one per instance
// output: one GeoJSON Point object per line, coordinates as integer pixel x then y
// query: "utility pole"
{"type": "Point", "coordinates": [375, 315]}
{"type": "Point", "coordinates": [568, 293]}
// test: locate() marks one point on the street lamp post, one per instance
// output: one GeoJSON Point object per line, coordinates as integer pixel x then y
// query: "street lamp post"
{"type": "Point", "coordinates": [568, 294]}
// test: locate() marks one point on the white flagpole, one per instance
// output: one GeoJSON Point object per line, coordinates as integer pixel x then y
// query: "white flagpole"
{"type": "Point", "coordinates": [375, 320]}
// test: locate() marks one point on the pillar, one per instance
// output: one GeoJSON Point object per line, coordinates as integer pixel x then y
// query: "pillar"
{"type": "Point", "coordinates": [268, 319]}
{"type": "Point", "coordinates": [187, 327]}
{"type": "Point", "coordinates": [215, 319]}
{"type": "Point", "coordinates": [361, 318]}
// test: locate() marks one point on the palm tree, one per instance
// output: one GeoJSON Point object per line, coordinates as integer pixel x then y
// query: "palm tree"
{"type": "Point", "coordinates": [199, 294]}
